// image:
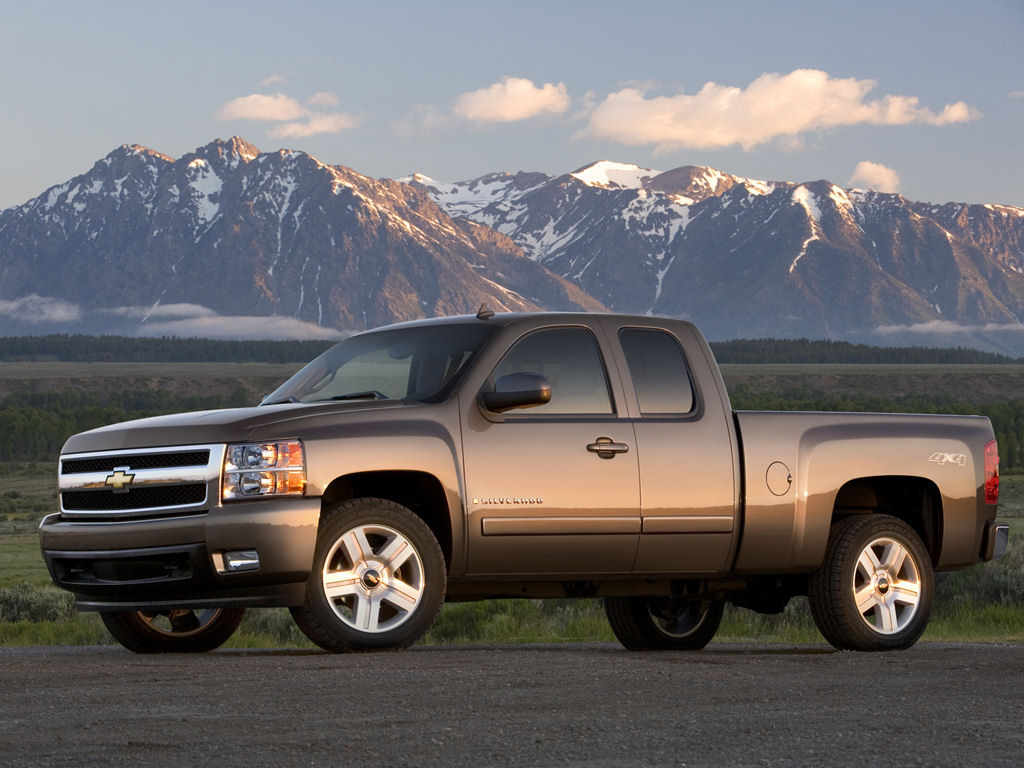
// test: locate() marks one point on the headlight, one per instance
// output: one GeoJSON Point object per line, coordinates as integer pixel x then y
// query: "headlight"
{"type": "Point", "coordinates": [263, 469]}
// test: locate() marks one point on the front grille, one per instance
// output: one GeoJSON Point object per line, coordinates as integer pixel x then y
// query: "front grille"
{"type": "Point", "coordinates": [138, 498]}
{"type": "Point", "coordinates": [140, 482]}
{"type": "Point", "coordinates": [135, 461]}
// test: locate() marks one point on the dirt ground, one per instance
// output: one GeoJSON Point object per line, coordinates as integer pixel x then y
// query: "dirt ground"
{"type": "Point", "coordinates": [543, 705]}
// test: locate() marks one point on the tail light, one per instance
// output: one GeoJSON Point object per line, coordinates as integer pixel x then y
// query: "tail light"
{"type": "Point", "coordinates": [991, 473]}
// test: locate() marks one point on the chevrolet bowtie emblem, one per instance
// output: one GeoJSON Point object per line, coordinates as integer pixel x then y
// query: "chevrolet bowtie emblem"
{"type": "Point", "coordinates": [119, 479]}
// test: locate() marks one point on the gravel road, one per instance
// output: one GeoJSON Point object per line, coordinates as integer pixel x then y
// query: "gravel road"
{"type": "Point", "coordinates": [544, 705]}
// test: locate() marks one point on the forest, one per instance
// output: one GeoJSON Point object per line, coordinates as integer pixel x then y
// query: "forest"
{"type": "Point", "coordinates": [118, 349]}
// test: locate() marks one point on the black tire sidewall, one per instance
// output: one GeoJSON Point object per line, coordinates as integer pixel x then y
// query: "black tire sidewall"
{"type": "Point", "coordinates": [634, 626]}
{"type": "Point", "coordinates": [136, 634]}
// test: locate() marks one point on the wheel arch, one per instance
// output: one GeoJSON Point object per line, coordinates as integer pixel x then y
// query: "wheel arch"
{"type": "Point", "coordinates": [916, 501]}
{"type": "Point", "coordinates": [421, 492]}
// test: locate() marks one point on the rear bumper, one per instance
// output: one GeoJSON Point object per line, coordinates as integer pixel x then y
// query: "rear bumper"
{"type": "Point", "coordinates": [179, 562]}
{"type": "Point", "coordinates": [997, 536]}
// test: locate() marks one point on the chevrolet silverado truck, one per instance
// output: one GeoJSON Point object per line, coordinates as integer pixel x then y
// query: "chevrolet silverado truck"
{"type": "Point", "coordinates": [518, 455]}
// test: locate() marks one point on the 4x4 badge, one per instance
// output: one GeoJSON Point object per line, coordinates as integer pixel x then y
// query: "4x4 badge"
{"type": "Point", "coordinates": [949, 458]}
{"type": "Point", "coordinates": [119, 479]}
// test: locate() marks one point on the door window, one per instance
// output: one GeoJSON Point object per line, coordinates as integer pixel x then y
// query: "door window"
{"type": "Point", "coordinates": [570, 360]}
{"type": "Point", "coordinates": [658, 369]}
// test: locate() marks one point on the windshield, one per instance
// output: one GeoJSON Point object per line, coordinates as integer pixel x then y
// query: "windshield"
{"type": "Point", "coordinates": [418, 363]}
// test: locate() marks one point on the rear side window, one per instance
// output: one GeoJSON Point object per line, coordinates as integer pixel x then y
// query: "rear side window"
{"type": "Point", "coordinates": [571, 362]}
{"type": "Point", "coordinates": [659, 372]}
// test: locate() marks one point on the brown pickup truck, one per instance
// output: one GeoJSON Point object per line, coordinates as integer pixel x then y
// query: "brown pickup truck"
{"type": "Point", "coordinates": [519, 455]}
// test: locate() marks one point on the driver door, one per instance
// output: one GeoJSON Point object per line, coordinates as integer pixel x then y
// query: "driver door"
{"type": "Point", "coordinates": [543, 497]}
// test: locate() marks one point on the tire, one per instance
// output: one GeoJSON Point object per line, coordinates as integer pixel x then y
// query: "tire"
{"type": "Point", "coordinates": [874, 591]}
{"type": "Point", "coordinates": [663, 623]}
{"type": "Point", "coordinates": [175, 631]}
{"type": "Point", "coordinates": [378, 578]}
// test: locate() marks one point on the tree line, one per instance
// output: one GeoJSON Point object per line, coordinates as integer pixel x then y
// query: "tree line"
{"type": "Point", "coordinates": [826, 351]}
{"type": "Point", "coordinates": [73, 348]}
{"type": "Point", "coordinates": [34, 425]}
{"type": "Point", "coordinates": [114, 349]}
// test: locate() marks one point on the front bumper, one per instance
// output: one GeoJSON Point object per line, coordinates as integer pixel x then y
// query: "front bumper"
{"type": "Point", "coordinates": [157, 563]}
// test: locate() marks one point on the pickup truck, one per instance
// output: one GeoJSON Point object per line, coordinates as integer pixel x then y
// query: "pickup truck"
{"type": "Point", "coordinates": [536, 455]}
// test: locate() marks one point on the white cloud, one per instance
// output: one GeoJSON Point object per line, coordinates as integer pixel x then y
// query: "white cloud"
{"type": "Point", "coordinates": [186, 320]}
{"type": "Point", "coordinates": [239, 327]}
{"type": "Point", "coordinates": [273, 80]}
{"type": "Point", "coordinates": [179, 310]}
{"type": "Point", "coordinates": [875, 176]}
{"type": "Point", "coordinates": [298, 119]}
{"type": "Point", "coordinates": [947, 327]}
{"type": "Point", "coordinates": [770, 107]}
{"type": "Point", "coordinates": [259, 106]}
{"type": "Point", "coordinates": [322, 99]}
{"type": "Point", "coordinates": [314, 124]}
{"type": "Point", "coordinates": [1017, 94]}
{"type": "Point", "coordinates": [36, 309]}
{"type": "Point", "coordinates": [512, 99]}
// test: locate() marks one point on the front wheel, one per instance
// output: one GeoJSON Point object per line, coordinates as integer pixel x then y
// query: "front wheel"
{"type": "Point", "coordinates": [874, 591]}
{"type": "Point", "coordinates": [663, 623]}
{"type": "Point", "coordinates": [378, 578]}
{"type": "Point", "coordinates": [174, 631]}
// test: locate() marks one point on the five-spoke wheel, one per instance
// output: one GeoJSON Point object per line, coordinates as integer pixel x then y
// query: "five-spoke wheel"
{"type": "Point", "coordinates": [373, 578]}
{"type": "Point", "coordinates": [874, 591]}
{"type": "Point", "coordinates": [378, 578]}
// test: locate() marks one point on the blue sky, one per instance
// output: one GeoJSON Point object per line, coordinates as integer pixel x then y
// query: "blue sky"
{"type": "Point", "coordinates": [924, 98]}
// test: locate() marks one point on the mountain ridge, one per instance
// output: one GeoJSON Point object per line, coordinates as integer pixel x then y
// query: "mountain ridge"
{"type": "Point", "coordinates": [143, 242]}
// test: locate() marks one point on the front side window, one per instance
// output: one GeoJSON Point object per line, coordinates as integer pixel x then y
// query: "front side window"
{"type": "Point", "coordinates": [659, 372]}
{"type": "Point", "coordinates": [570, 360]}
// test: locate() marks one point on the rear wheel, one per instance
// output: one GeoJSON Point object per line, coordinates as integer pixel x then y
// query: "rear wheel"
{"type": "Point", "coordinates": [175, 631]}
{"type": "Point", "coordinates": [874, 591]}
{"type": "Point", "coordinates": [378, 578]}
{"type": "Point", "coordinates": [663, 623]}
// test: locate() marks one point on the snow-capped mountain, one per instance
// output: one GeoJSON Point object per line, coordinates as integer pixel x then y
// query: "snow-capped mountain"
{"type": "Point", "coordinates": [746, 257]}
{"type": "Point", "coordinates": [237, 232]}
{"type": "Point", "coordinates": [229, 234]}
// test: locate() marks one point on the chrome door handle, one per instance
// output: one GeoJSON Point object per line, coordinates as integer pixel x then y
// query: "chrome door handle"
{"type": "Point", "coordinates": [606, 448]}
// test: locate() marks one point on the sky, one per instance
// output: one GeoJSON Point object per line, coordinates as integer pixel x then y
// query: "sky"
{"type": "Point", "coordinates": [921, 98]}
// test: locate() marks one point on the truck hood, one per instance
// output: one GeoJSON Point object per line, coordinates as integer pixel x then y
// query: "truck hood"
{"type": "Point", "coordinates": [221, 426]}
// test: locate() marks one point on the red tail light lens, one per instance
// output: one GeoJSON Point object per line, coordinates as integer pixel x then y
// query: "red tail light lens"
{"type": "Point", "coordinates": [991, 473]}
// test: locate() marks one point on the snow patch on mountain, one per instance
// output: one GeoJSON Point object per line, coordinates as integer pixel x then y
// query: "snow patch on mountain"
{"type": "Point", "coordinates": [803, 196]}
{"type": "Point", "coordinates": [206, 187]}
{"type": "Point", "coordinates": [611, 175]}
{"type": "Point", "coordinates": [806, 198]}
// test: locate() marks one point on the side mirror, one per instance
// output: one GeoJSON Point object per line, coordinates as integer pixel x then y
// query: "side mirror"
{"type": "Point", "coordinates": [517, 390]}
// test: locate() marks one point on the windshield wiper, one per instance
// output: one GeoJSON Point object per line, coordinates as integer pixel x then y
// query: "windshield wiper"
{"type": "Point", "coordinates": [368, 394]}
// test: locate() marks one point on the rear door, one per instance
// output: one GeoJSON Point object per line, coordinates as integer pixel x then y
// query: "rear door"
{"type": "Point", "coordinates": [685, 445]}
